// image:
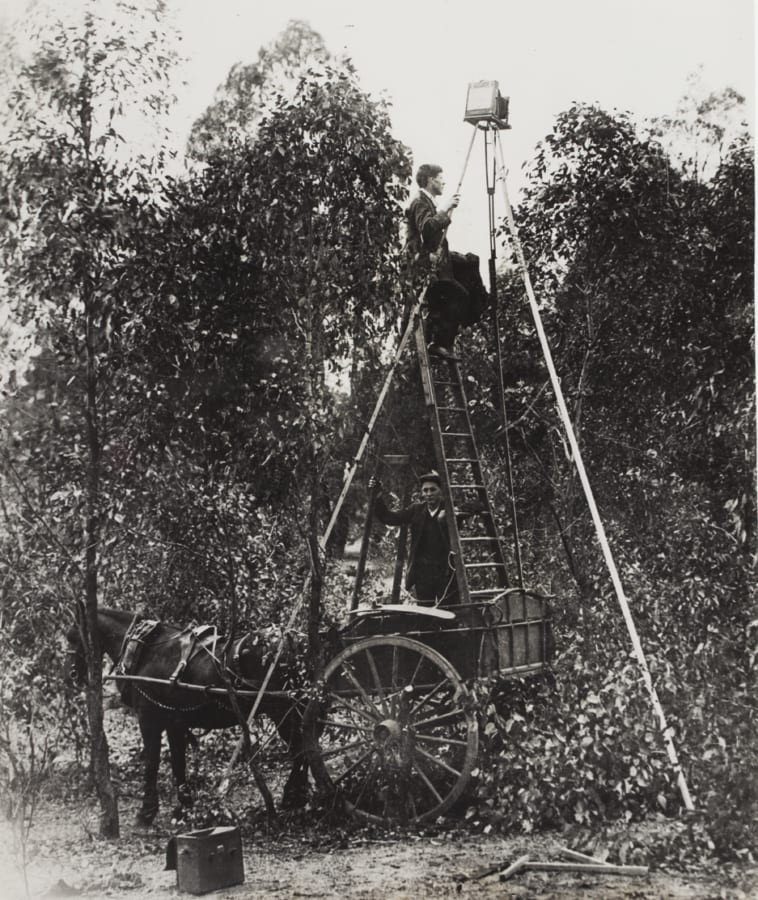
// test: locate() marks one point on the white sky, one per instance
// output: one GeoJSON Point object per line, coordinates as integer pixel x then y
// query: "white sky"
{"type": "Point", "coordinates": [631, 55]}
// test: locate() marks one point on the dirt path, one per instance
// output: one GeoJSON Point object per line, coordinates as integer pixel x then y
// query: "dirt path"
{"type": "Point", "coordinates": [71, 861]}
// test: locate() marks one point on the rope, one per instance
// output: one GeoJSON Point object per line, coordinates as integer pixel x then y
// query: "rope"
{"type": "Point", "coordinates": [451, 579]}
{"type": "Point", "coordinates": [599, 528]}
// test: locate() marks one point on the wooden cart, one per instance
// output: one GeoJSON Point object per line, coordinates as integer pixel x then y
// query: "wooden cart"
{"type": "Point", "coordinates": [393, 733]}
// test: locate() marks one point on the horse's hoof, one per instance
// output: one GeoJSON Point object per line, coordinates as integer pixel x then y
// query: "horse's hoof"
{"type": "Point", "coordinates": [293, 800]}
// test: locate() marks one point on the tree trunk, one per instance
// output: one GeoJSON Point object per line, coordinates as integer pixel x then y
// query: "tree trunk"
{"type": "Point", "coordinates": [314, 392]}
{"type": "Point", "coordinates": [109, 818]}
{"type": "Point", "coordinates": [314, 521]}
{"type": "Point", "coordinates": [106, 793]}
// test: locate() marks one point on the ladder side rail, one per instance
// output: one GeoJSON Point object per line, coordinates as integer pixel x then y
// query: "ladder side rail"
{"type": "Point", "coordinates": [490, 546]}
{"type": "Point", "coordinates": [439, 449]}
{"type": "Point", "coordinates": [478, 475]}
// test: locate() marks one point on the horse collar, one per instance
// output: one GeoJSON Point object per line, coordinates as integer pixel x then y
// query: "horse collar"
{"type": "Point", "coordinates": [131, 646]}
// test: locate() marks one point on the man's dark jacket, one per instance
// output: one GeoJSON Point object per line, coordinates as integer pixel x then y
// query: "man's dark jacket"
{"type": "Point", "coordinates": [425, 240]}
{"type": "Point", "coordinates": [457, 296]}
{"type": "Point", "coordinates": [416, 516]}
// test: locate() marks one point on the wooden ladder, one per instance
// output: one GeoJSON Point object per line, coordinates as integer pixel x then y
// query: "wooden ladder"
{"type": "Point", "coordinates": [480, 567]}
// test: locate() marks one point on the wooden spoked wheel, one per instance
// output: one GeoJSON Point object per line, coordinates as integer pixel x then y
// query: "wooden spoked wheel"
{"type": "Point", "coordinates": [392, 735]}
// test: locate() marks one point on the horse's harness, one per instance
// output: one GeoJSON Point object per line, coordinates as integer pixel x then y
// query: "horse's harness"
{"type": "Point", "coordinates": [193, 640]}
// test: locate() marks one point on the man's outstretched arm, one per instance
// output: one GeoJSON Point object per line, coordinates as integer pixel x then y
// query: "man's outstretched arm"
{"type": "Point", "coordinates": [386, 515]}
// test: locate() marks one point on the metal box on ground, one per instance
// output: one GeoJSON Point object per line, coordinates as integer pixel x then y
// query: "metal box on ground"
{"type": "Point", "coordinates": [209, 859]}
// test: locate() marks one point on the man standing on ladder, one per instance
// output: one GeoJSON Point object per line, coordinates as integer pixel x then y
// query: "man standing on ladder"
{"type": "Point", "coordinates": [429, 257]}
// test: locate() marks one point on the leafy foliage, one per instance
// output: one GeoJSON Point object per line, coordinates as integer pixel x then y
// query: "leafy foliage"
{"type": "Point", "coordinates": [645, 297]}
{"type": "Point", "coordinates": [71, 208]}
{"type": "Point", "coordinates": [207, 347]}
{"type": "Point", "coordinates": [32, 717]}
{"type": "Point", "coordinates": [250, 89]}
{"type": "Point", "coordinates": [584, 750]}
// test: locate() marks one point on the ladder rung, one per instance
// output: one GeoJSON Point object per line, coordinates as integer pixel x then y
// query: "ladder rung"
{"type": "Point", "coordinates": [461, 459]}
{"type": "Point", "coordinates": [458, 409]}
{"type": "Point", "coordinates": [490, 592]}
{"type": "Point", "coordinates": [469, 487]}
{"type": "Point", "coordinates": [484, 565]}
{"type": "Point", "coordinates": [443, 382]}
{"type": "Point", "coordinates": [458, 434]}
{"type": "Point", "coordinates": [480, 539]}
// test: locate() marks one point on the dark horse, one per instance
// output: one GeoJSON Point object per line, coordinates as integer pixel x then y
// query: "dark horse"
{"type": "Point", "coordinates": [174, 656]}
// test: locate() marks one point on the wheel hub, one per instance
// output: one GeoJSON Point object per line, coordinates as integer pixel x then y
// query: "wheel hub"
{"type": "Point", "coordinates": [392, 742]}
{"type": "Point", "coordinates": [387, 731]}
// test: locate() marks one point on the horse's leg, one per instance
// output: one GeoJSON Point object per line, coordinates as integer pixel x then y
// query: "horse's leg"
{"type": "Point", "coordinates": [290, 727]}
{"type": "Point", "coordinates": [151, 742]}
{"type": "Point", "coordinates": [177, 746]}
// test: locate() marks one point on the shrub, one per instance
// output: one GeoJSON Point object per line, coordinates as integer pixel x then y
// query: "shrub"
{"type": "Point", "coordinates": [583, 747]}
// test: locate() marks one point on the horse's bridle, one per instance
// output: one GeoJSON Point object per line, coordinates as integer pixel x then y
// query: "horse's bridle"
{"type": "Point", "coordinates": [127, 637]}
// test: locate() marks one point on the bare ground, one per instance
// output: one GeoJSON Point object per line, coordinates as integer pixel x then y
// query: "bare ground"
{"type": "Point", "coordinates": [302, 856]}
{"type": "Point", "coordinates": [69, 860]}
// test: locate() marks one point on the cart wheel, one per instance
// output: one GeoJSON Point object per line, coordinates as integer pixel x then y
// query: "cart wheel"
{"type": "Point", "coordinates": [393, 734]}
